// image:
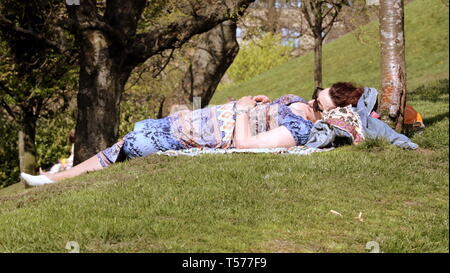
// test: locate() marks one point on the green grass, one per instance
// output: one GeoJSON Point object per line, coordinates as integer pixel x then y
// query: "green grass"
{"type": "Point", "coordinates": [260, 203]}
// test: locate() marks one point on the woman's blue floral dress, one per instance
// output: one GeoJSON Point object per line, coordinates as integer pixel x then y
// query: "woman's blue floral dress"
{"type": "Point", "coordinates": [208, 127]}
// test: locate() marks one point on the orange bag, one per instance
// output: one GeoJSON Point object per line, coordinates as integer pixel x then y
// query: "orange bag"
{"type": "Point", "coordinates": [412, 116]}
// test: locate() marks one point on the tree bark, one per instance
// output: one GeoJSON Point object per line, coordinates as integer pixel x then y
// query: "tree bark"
{"type": "Point", "coordinates": [102, 80]}
{"type": "Point", "coordinates": [214, 53]}
{"type": "Point", "coordinates": [393, 65]}
{"type": "Point", "coordinates": [318, 42]}
{"type": "Point", "coordinates": [27, 146]}
{"type": "Point", "coordinates": [103, 71]}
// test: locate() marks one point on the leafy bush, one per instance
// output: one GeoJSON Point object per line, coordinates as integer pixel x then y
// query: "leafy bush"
{"type": "Point", "coordinates": [136, 107]}
{"type": "Point", "coordinates": [256, 57]}
{"type": "Point", "coordinates": [52, 138]}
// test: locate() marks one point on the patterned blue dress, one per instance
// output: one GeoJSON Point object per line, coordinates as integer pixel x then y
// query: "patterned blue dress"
{"type": "Point", "coordinates": [179, 130]}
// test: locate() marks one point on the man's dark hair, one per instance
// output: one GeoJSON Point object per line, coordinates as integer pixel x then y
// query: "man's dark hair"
{"type": "Point", "coordinates": [345, 93]}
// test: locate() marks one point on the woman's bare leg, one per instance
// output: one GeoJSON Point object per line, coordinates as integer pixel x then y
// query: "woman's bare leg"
{"type": "Point", "coordinates": [91, 164]}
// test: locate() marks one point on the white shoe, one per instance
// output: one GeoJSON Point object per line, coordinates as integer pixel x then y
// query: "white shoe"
{"type": "Point", "coordinates": [35, 180]}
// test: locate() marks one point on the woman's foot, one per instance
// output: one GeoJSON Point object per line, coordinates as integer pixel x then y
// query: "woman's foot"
{"type": "Point", "coordinates": [35, 180]}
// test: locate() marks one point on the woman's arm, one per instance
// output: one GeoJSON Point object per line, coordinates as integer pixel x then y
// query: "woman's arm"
{"type": "Point", "coordinates": [277, 138]}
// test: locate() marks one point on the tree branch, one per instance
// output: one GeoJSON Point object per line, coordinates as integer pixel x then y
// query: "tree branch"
{"type": "Point", "coordinates": [8, 109]}
{"type": "Point", "coordinates": [329, 26]}
{"type": "Point", "coordinates": [118, 23]}
{"type": "Point", "coordinates": [122, 17]}
{"type": "Point", "coordinates": [175, 34]}
{"type": "Point", "coordinates": [306, 13]}
{"type": "Point", "coordinates": [6, 89]}
{"type": "Point", "coordinates": [11, 26]}
{"type": "Point", "coordinates": [154, 75]}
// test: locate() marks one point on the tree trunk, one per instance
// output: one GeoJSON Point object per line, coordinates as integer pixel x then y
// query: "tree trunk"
{"type": "Point", "coordinates": [27, 146]}
{"type": "Point", "coordinates": [214, 53]}
{"type": "Point", "coordinates": [393, 65]}
{"type": "Point", "coordinates": [101, 83]}
{"type": "Point", "coordinates": [318, 61]}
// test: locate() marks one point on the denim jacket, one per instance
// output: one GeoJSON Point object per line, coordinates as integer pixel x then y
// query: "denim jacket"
{"type": "Point", "coordinates": [375, 128]}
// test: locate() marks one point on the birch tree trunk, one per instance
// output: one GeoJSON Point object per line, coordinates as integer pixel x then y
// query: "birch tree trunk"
{"type": "Point", "coordinates": [393, 65]}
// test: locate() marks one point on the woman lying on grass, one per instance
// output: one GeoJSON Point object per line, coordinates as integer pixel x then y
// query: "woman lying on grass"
{"type": "Point", "coordinates": [250, 122]}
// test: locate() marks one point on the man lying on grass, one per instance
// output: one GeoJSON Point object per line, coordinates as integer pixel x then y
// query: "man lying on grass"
{"type": "Point", "coordinates": [250, 122]}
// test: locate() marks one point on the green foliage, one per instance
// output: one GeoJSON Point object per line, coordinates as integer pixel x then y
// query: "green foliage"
{"type": "Point", "coordinates": [256, 57]}
{"type": "Point", "coordinates": [9, 152]}
{"type": "Point", "coordinates": [52, 138]}
{"type": "Point", "coordinates": [136, 107]}
{"type": "Point", "coordinates": [35, 81]}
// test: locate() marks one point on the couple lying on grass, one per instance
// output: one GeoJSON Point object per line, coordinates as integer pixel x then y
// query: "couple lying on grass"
{"type": "Point", "coordinates": [250, 122]}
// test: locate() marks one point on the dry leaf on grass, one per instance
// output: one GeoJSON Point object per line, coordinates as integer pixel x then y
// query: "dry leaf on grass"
{"type": "Point", "coordinates": [359, 217]}
{"type": "Point", "coordinates": [335, 212]}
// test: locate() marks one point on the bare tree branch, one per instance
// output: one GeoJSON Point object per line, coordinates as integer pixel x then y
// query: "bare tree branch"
{"type": "Point", "coordinates": [174, 34]}
{"type": "Point", "coordinates": [8, 109]}
{"type": "Point", "coordinates": [329, 26]}
{"type": "Point", "coordinates": [11, 26]}
{"type": "Point", "coordinates": [306, 12]}
{"type": "Point", "coordinates": [6, 89]}
{"type": "Point", "coordinates": [154, 75]}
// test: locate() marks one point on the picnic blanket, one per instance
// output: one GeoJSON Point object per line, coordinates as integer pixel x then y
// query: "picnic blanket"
{"type": "Point", "coordinates": [297, 150]}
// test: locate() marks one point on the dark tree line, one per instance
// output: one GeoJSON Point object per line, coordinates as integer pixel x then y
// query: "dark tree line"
{"type": "Point", "coordinates": [36, 74]}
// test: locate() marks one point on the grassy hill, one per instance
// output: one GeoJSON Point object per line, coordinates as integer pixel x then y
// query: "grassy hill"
{"type": "Point", "coordinates": [268, 203]}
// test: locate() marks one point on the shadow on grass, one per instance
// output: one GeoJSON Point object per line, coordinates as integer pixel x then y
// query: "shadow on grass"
{"type": "Point", "coordinates": [434, 119]}
{"type": "Point", "coordinates": [432, 92]}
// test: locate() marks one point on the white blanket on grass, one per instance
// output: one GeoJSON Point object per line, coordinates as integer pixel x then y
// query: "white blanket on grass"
{"type": "Point", "coordinates": [297, 150]}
